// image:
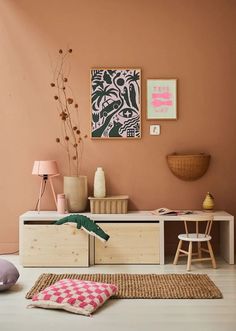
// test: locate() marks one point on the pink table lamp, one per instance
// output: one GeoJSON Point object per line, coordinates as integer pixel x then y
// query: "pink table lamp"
{"type": "Point", "coordinates": [46, 170]}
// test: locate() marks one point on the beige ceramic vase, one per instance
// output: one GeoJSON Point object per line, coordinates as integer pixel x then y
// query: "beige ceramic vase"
{"type": "Point", "coordinates": [76, 191]}
{"type": "Point", "coordinates": [99, 184]}
{"type": "Point", "coordinates": [208, 203]}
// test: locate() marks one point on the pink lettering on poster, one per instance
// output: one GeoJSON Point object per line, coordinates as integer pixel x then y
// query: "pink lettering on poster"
{"type": "Point", "coordinates": [164, 95]}
{"type": "Point", "coordinates": [159, 102]}
{"type": "Point", "coordinates": [161, 99]}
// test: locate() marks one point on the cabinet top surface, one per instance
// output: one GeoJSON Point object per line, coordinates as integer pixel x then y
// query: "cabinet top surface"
{"type": "Point", "coordinates": [130, 216]}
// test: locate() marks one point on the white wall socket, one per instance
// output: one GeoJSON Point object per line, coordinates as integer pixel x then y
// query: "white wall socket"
{"type": "Point", "coordinates": [155, 130]}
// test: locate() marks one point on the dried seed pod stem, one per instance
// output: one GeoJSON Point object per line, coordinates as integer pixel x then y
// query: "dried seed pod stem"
{"type": "Point", "coordinates": [68, 114]}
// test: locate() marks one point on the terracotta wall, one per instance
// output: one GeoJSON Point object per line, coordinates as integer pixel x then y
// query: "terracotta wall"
{"type": "Point", "coordinates": [191, 40]}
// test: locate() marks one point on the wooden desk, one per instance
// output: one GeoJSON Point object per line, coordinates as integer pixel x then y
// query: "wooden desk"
{"type": "Point", "coordinates": [226, 226]}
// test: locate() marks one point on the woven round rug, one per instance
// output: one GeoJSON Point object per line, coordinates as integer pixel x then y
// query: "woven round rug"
{"type": "Point", "coordinates": [143, 286]}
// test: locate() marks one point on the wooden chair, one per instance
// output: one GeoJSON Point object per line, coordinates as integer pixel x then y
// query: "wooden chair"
{"type": "Point", "coordinates": [198, 238]}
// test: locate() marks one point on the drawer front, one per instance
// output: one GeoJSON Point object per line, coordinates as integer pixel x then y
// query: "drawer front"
{"type": "Point", "coordinates": [53, 245]}
{"type": "Point", "coordinates": [129, 243]}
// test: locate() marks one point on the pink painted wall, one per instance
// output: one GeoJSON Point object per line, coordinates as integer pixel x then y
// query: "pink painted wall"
{"type": "Point", "coordinates": [191, 40]}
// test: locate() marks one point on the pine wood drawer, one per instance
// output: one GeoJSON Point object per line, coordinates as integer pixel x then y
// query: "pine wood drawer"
{"type": "Point", "coordinates": [129, 243]}
{"type": "Point", "coordinates": [48, 245]}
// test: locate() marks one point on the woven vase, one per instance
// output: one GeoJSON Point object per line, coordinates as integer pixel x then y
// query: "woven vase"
{"type": "Point", "coordinates": [208, 203]}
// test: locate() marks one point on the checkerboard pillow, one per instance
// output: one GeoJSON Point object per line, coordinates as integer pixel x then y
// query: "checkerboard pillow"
{"type": "Point", "coordinates": [77, 296]}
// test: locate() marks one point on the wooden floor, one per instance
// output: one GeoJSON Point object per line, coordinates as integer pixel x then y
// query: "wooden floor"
{"type": "Point", "coordinates": [138, 315]}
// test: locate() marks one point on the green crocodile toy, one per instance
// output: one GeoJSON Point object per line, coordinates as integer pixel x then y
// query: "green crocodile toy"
{"type": "Point", "coordinates": [85, 223]}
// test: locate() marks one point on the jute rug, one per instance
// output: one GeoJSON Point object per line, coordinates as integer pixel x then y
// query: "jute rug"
{"type": "Point", "coordinates": [143, 286]}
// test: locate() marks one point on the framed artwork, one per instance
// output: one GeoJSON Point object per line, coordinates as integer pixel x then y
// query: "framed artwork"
{"type": "Point", "coordinates": [115, 103]}
{"type": "Point", "coordinates": [162, 99]}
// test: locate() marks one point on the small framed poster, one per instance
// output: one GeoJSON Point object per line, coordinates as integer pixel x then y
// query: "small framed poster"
{"type": "Point", "coordinates": [115, 103]}
{"type": "Point", "coordinates": [162, 99]}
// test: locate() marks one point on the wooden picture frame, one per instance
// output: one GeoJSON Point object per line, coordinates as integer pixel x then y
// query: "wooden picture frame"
{"type": "Point", "coordinates": [115, 103]}
{"type": "Point", "coordinates": [162, 99]}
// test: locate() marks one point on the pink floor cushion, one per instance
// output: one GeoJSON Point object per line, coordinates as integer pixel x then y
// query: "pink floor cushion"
{"type": "Point", "coordinates": [76, 296]}
{"type": "Point", "coordinates": [8, 274]}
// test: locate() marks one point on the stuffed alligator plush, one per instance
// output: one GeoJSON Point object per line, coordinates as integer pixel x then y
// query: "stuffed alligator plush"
{"type": "Point", "coordinates": [85, 223]}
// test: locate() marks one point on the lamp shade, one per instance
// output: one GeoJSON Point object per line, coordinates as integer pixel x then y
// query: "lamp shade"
{"type": "Point", "coordinates": [41, 168]}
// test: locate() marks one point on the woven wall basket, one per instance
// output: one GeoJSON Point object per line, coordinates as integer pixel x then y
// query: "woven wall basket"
{"type": "Point", "coordinates": [188, 166]}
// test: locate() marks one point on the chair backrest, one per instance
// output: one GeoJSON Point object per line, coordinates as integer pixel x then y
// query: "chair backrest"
{"type": "Point", "coordinates": [207, 218]}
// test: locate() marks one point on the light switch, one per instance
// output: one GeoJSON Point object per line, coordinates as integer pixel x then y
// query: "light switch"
{"type": "Point", "coordinates": [155, 130]}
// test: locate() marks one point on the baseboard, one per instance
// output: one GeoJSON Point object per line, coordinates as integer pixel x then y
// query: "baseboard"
{"type": "Point", "coordinates": [8, 248]}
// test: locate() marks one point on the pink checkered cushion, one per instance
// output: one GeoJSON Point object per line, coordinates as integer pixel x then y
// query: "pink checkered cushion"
{"type": "Point", "coordinates": [76, 296]}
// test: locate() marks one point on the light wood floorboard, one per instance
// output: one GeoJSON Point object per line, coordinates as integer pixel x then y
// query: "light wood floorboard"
{"type": "Point", "coordinates": [138, 315]}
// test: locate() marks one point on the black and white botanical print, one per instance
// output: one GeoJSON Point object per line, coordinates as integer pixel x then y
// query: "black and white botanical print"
{"type": "Point", "coordinates": [115, 102]}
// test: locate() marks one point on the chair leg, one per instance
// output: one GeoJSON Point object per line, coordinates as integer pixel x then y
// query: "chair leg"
{"type": "Point", "coordinates": [190, 250]}
{"type": "Point", "coordinates": [199, 250]}
{"type": "Point", "coordinates": [177, 252]}
{"type": "Point", "coordinates": [213, 261]}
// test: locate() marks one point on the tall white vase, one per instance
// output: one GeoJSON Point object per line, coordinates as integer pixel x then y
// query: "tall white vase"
{"type": "Point", "coordinates": [76, 191]}
{"type": "Point", "coordinates": [99, 184]}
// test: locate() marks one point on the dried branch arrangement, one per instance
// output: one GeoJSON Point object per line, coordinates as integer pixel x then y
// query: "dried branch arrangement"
{"type": "Point", "coordinates": [68, 110]}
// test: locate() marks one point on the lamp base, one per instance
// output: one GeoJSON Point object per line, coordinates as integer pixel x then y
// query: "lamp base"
{"type": "Point", "coordinates": [43, 185]}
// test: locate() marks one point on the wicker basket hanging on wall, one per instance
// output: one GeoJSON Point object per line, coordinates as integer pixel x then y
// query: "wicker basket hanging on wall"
{"type": "Point", "coordinates": [188, 166]}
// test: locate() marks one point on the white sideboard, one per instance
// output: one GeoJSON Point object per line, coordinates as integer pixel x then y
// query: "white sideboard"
{"type": "Point", "coordinates": [156, 248]}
